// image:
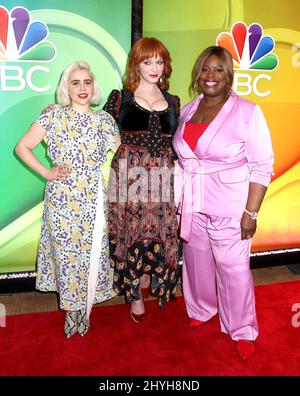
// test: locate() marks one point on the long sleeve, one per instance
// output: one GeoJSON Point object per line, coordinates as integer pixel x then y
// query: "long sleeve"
{"type": "Point", "coordinates": [259, 150]}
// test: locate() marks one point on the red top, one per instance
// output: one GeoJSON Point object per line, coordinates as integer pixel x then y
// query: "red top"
{"type": "Point", "coordinates": [192, 132]}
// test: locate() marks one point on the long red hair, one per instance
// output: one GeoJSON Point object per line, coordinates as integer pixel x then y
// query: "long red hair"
{"type": "Point", "coordinates": [146, 48]}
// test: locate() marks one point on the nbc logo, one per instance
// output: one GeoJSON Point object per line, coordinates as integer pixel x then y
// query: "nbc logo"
{"type": "Point", "coordinates": [251, 51]}
{"type": "Point", "coordinates": [22, 40]}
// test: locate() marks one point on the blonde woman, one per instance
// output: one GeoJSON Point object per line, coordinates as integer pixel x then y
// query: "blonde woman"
{"type": "Point", "coordinates": [73, 257]}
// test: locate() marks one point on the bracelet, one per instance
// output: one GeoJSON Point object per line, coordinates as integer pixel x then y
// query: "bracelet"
{"type": "Point", "coordinates": [253, 215]}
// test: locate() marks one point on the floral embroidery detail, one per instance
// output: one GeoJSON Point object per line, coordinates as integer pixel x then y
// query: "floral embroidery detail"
{"type": "Point", "coordinates": [143, 236]}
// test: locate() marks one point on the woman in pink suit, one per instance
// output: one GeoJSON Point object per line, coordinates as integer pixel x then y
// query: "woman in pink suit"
{"type": "Point", "coordinates": [225, 162]}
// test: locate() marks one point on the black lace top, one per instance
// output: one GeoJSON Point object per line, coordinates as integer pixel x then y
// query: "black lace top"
{"type": "Point", "coordinates": [141, 127]}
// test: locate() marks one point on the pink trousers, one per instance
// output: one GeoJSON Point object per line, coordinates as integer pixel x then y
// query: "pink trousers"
{"type": "Point", "coordinates": [217, 277]}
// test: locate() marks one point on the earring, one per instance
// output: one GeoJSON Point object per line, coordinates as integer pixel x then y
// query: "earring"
{"type": "Point", "coordinates": [160, 79]}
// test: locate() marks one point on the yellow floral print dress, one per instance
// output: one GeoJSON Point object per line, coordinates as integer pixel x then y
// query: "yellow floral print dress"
{"type": "Point", "coordinates": [73, 257]}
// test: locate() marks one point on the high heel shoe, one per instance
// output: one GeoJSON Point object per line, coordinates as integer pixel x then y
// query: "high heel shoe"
{"type": "Point", "coordinates": [245, 348]}
{"type": "Point", "coordinates": [195, 322]}
{"type": "Point", "coordinates": [83, 323]}
{"type": "Point", "coordinates": [71, 323]}
{"type": "Point", "coordinates": [137, 318]}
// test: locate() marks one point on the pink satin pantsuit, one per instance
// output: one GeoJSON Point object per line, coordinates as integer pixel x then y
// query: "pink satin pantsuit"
{"type": "Point", "coordinates": [211, 190]}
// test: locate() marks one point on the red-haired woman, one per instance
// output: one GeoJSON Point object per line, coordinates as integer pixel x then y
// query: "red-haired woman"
{"type": "Point", "coordinates": [142, 218]}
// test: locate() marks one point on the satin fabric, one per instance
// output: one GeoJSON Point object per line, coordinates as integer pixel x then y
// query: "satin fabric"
{"type": "Point", "coordinates": [234, 150]}
{"type": "Point", "coordinates": [217, 278]}
{"type": "Point", "coordinates": [211, 189]}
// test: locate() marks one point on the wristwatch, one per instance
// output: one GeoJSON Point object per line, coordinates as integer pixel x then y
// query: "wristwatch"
{"type": "Point", "coordinates": [253, 215]}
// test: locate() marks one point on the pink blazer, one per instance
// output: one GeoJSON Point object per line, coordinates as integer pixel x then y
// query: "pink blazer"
{"type": "Point", "coordinates": [234, 150]}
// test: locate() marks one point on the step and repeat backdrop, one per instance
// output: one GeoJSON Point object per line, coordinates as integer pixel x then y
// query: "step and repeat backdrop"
{"type": "Point", "coordinates": [264, 39]}
{"type": "Point", "coordinates": [38, 39]}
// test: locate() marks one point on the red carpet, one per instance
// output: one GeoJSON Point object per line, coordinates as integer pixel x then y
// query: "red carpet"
{"type": "Point", "coordinates": [34, 344]}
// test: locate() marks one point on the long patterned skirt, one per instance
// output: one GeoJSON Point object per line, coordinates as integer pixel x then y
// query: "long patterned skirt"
{"type": "Point", "coordinates": [143, 226]}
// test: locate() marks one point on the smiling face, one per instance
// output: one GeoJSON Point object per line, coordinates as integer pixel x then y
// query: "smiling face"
{"type": "Point", "coordinates": [150, 70]}
{"type": "Point", "coordinates": [212, 78]}
{"type": "Point", "coordinates": [81, 89]}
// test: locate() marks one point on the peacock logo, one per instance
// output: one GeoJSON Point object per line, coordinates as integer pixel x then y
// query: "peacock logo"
{"type": "Point", "coordinates": [250, 49]}
{"type": "Point", "coordinates": [22, 39]}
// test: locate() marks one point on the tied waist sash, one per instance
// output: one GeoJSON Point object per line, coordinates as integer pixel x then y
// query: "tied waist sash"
{"type": "Point", "coordinates": [188, 189]}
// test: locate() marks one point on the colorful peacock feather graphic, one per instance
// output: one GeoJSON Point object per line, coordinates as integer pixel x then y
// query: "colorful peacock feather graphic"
{"type": "Point", "coordinates": [22, 39]}
{"type": "Point", "coordinates": [250, 49]}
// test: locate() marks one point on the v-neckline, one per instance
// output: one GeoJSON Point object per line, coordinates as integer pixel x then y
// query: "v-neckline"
{"type": "Point", "coordinates": [213, 127]}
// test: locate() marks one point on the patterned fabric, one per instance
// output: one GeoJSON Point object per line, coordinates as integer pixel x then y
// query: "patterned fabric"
{"type": "Point", "coordinates": [143, 233]}
{"type": "Point", "coordinates": [141, 139]}
{"type": "Point", "coordinates": [81, 141]}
